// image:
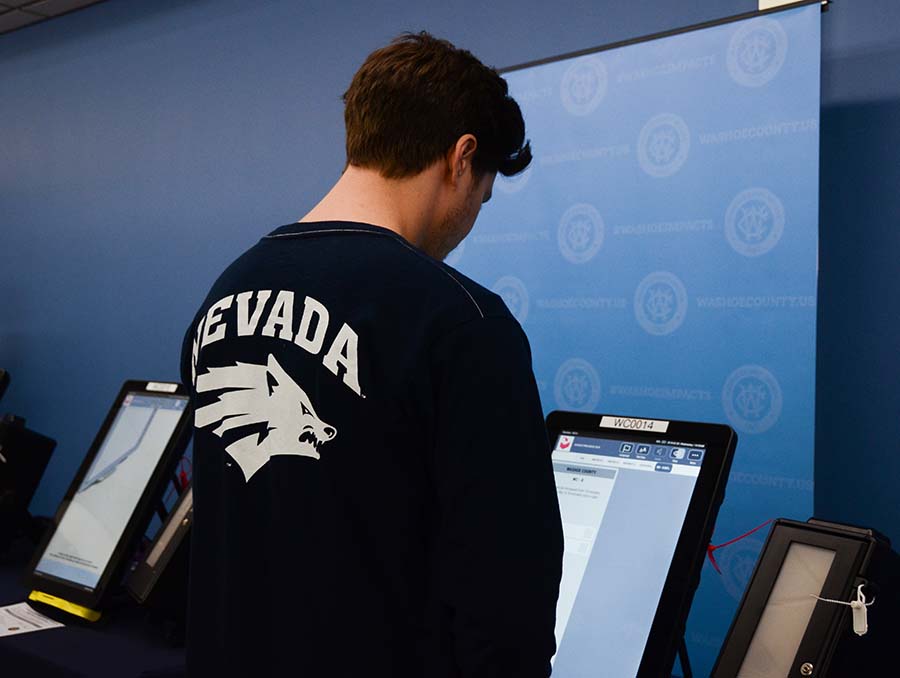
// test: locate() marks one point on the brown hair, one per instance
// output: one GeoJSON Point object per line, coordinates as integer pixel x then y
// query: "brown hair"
{"type": "Point", "coordinates": [412, 100]}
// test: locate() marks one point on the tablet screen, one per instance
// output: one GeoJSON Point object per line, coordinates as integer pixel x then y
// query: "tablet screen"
{"type": "Point", "coordinates": [103, 504]}
{"type": "Point", "coordinates": [623, 503]}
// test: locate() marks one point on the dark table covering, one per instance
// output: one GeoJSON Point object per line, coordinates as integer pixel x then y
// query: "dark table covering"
{"type": "Point", "coordinates": [123, 644]}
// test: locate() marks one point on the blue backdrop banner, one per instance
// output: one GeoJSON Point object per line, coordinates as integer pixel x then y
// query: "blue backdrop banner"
{"type": "Point", "coordinates": [661, 254]}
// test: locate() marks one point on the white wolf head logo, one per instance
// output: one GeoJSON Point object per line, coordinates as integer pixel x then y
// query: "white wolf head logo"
{"type": "Point", "coordinates": [254, 394]}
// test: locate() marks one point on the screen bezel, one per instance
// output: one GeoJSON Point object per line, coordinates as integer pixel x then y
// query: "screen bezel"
{"type": "Point", "coordinates": [683, 576]}
{"type": "Point", "coordinates": [78, 593]}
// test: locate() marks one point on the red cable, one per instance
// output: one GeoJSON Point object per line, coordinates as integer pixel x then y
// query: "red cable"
{"type": "Point", "coordinates": [184, 477]}
{"type": "Point", "coordinates": [711, 548]}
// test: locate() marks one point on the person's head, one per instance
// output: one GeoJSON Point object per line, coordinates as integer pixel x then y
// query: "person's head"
{"type": "Point", "coordinates": [419, 104]}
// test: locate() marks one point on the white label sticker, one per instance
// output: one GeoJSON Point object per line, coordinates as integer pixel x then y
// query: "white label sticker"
{"type": "Point", "coordinates": [771, 4]}
{"type": "Point", "coordinates": [630, 424]}
{"type": "Point", "coordinates": [160, 386]}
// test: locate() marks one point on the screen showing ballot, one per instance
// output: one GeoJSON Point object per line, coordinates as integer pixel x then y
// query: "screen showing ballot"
{"type": "Point", "coordinates": [623, 503]}
{"type": "Point", "coordinates": [103, 504]}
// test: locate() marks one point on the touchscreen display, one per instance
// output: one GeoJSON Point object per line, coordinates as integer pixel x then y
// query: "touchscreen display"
{"type": "Point", "coordinates": [623, 502]}
{"type": "Point", "coordinates": [102, 506]}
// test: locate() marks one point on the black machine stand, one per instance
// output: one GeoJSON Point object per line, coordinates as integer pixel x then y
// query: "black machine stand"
{"type": "Point", "coordinates": [683, 659]}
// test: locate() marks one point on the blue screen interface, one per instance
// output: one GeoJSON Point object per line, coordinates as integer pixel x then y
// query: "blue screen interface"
{"type": "Point", "coordinates": [96, 517]}
{"type": "Point", "coordinates": [623, 502]}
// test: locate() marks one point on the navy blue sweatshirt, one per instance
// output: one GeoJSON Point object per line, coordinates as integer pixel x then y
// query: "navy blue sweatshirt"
{"type": "Point", "coordinates": [373, 489]}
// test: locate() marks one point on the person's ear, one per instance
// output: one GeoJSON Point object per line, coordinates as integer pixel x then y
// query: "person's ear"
{"type": "Point", "coordinates": [461, 156]}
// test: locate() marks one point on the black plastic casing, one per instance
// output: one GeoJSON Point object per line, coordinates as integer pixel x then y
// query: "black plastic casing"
{"type": "Point", "coordinates": [829, 646]}
{"type": "Point", "coordinates": [140, 517]}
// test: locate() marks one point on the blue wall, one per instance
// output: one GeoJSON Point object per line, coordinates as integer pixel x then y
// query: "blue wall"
{"type": "Point", "coordinates": [143, 145]}
{"type": "Point", "coordinates": [858, 385]}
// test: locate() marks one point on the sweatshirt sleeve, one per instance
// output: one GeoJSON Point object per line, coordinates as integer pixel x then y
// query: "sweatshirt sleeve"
{"type": "Point", "coordinates": [185, 361]}
{"type": "Point", "coordinates": [499, 546]}
{"type": "Point", "coordinates": [189, 344]}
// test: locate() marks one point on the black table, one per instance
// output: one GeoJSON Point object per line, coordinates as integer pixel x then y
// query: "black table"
{"type": "Point", "coordinates": [123, 644]}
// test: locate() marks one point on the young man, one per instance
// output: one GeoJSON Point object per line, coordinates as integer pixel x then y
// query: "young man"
{"type": "Point", "coordinates": [373, 488]}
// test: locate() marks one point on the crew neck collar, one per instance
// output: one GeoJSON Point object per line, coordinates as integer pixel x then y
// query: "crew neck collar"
{"type": "Point", "coordinates": [298, 228]}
